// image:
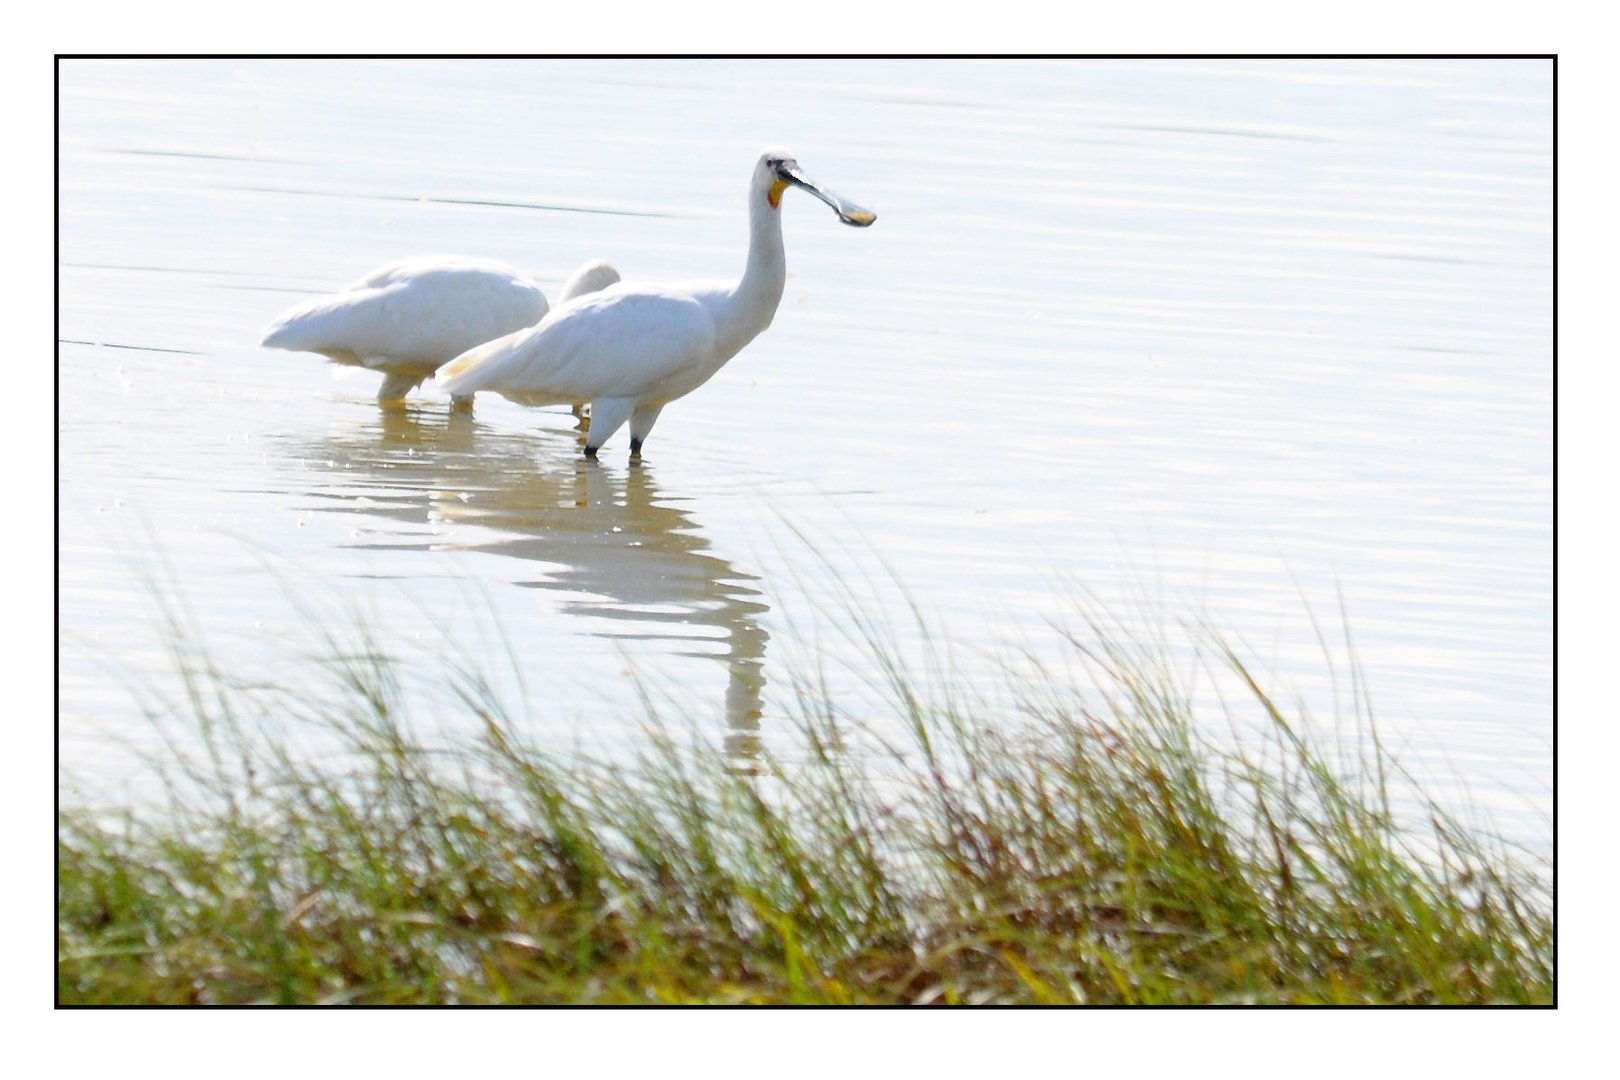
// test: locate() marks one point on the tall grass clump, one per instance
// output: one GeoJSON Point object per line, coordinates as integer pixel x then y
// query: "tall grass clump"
{"type": "Point", "coordinates": [1074, 844]}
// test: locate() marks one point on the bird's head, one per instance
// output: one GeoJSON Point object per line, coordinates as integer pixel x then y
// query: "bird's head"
{"type": "Point", "coordinates": [777, 171]}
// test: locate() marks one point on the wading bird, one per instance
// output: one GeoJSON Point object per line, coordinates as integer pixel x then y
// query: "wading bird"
{"type": "Point", "coordinates": [631, 350]}
{"type": "Point", "coordinates": [409, 317]}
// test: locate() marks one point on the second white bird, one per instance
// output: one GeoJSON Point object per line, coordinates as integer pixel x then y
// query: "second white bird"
{"type": "Point", "coordinates": [630, 350]}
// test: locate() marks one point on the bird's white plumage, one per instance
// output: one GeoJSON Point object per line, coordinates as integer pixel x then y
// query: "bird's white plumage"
{"type": "Point", "coordinates": [407, 318]}
{"type": "Point", "coordinates": [592, 277]}
{"type": "Point", "coordinates": [598, 346]}
{"type": "Point", "coordinates": [630, 350]}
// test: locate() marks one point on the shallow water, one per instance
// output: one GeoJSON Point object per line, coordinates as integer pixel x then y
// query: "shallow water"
{"type": "Point", "coordinates": [1240, 340]}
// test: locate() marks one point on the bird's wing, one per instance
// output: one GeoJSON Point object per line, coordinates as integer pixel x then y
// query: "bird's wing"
{"type": "Point", "coordinates": [617, 344]}
{"type": "Point", "coordinates": [422, 318]}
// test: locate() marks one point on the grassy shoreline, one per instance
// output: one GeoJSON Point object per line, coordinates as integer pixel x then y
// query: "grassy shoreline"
{"type": "Point", "coordinates": [1094, 847]}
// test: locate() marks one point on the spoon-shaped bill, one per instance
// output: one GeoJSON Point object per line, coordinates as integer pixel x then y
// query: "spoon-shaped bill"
{"type": "Point", "coordinates": [848, 212]}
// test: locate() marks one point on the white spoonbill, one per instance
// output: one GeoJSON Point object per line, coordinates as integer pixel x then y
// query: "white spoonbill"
{"type": "Point", "coordinates": [630, 351]}
{"type": "Point", "coordinates": [407, 318]}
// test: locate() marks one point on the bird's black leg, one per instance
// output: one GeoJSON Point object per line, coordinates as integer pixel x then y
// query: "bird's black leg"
{"type": "Point", "coordinates": [590, 451]}
{"type": "Point", "coordinates": [635, 447]}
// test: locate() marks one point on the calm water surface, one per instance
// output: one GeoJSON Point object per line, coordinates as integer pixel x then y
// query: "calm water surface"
{"type": "Point", "coordinates": [1235, 340]}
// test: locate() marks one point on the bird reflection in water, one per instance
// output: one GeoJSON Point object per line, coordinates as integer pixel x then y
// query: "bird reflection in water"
{"type": "Point", "coordinates": [624, 550]}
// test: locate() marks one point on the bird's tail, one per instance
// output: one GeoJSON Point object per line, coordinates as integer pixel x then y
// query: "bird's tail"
{"type": "Point", "coordinates": [305, 327]}
{"type": "Point", "coordinates": [455, 375]}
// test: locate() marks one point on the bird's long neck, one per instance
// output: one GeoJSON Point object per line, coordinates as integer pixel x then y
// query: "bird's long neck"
{"type": "Point", "coordinates": [753, 302]}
